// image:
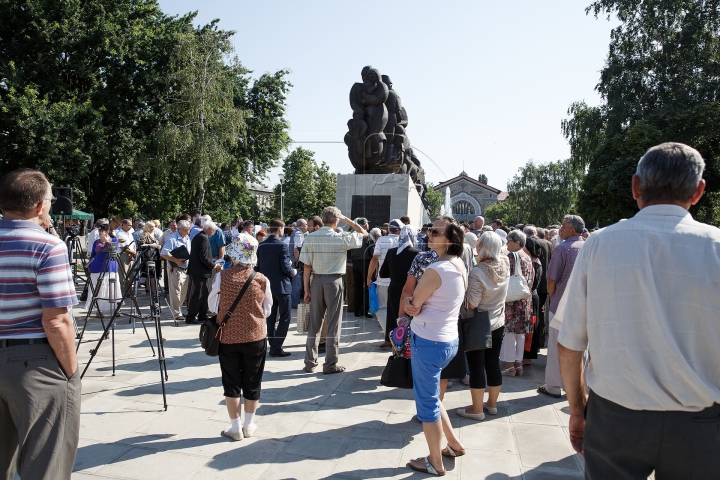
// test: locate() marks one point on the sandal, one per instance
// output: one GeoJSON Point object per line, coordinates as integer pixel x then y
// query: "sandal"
{"type": "Point", "coordinates": [519, 371]}
{"type": "Point", "coordinates": [450, 452]}
{"type": "Point", "coordinates": [428, 468]}
{"type": "Point", "coordinates": [509, 372]}
{"type": "Point", "coordinates": [543, 389]}
{"type": "Point", "coordinates": [336, 369]}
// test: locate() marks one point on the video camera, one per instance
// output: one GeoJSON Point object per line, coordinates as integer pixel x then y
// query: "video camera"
{"type": "Point", "coordinates": [72, 231]}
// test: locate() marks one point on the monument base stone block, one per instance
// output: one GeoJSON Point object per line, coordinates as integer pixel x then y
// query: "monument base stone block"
{"type": "Point", "coordinates": [380, 198]}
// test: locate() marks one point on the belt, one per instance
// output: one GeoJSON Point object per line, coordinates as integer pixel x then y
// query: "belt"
{"type": "Point", "coordinates": [13, 342]}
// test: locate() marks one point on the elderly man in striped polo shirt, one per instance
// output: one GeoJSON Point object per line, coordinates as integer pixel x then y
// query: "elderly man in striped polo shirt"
{"type": "Point", "coordinates": [39, 381]}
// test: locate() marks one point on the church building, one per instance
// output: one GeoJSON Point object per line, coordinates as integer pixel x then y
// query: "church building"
{"type": "Point", "coordinates": [469, 197]}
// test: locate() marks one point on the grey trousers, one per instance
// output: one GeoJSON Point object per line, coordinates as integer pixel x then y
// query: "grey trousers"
{"type": "Point", "coordinates": [39, 414]}
{"type": "Point", "coordinates": [326, 293]}
{"type": "Point", "coordinates": [553, 379]}
{"type": "Point", "coordinates": [627, 444]}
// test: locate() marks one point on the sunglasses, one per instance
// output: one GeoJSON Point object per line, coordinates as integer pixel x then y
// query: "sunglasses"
{"type": "Point", "coordinates": [434, 232]}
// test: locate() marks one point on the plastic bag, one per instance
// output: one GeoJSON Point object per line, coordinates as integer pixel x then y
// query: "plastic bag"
{"type": "Point", "coordinates": [374, 304]}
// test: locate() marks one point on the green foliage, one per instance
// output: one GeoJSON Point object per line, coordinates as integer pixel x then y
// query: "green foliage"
{"type": "Point", "coordinates": [308, 187]}
{"type": "Point", "coordinates": [482, 178]}
{"type": "Point", "coordinates": [660, 83]}
{"type": "Point", "coordinates": [135, 110]}
{"type": "Point", "coordinates": [435, 199]}
{"type": "Point", "coordinates": [539, 194]}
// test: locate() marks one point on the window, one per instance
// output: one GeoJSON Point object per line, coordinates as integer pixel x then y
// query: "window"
{"type": "Point", "coordinates": [463, 207]}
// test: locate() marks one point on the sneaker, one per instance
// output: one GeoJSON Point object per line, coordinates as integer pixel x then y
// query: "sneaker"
{"type": "Point", "coordinates": [237, 436]}
{"type": "Point", "coordinates": [248, 431]}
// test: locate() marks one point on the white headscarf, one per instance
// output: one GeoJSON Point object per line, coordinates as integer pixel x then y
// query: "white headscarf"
{"type": "Point", "coordinates": [408, 234]}
{"type": "Point", "coordinates": [503, 235]}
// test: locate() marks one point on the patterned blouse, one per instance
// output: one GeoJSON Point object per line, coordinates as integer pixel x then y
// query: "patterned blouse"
{"type": "Point", "coordinates": [518, 314]}
{"type": "Point", "coordinates": [421, 262]}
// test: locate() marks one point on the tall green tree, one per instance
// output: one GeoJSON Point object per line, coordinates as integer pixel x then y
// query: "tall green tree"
{"type": "Point", "coordinates": [435, 199]}
{"type": "Point", "coordinates": [482, 178]}
{"type": "Point", "coordinates": [660, 83]}
{"type": "Point", "coordinates": [541, 194]}
{"type": "Point", "coordinates": [308, 187]}
{"type": "Point", "coordinates": [204, 121]}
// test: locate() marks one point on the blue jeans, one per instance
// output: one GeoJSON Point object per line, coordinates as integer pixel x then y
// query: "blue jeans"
{"type": "Point", "coordinates": [428, 360]}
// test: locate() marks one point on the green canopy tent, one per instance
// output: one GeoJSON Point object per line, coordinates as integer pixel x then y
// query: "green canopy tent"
{"type": "Point", "coordinates": [76, 214]}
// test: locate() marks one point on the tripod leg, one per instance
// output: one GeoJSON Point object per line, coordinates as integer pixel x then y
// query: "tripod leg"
{"type": "Point", "coordinates": [142, 320]}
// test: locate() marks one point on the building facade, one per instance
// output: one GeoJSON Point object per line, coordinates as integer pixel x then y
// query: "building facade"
{"type": "Point", "coordinates": [469, 197]}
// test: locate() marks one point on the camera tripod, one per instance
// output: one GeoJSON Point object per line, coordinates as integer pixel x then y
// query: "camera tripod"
{"type": "Point", "coordinates": [128, 293]}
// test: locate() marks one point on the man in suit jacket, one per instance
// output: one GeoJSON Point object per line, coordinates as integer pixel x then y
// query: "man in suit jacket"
{"type": "Point", "coordinates": [273, 261]}
{"type": "Point", "coordinates": [200, 268]}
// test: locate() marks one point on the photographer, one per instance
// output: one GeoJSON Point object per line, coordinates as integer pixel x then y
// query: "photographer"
{"type": "Point", "coordinates": [98, 253]}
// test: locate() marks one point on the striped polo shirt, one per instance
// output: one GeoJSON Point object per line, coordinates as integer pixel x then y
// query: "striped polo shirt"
{"type": "Point", "coordinates": [34, 274]}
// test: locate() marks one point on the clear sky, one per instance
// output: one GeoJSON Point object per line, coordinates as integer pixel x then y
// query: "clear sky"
{"type": "Point", "coordinates": [485, 84]}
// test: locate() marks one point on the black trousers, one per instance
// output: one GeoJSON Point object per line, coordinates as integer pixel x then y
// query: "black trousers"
{"type": "Point", "coordinates": [623, 444]}
{"type": "Point", "coordinates": [481, 362]}
{"type": "Point", "coordinates": [361, 294]}
{"type": "Point", "coordinates": [197, 299]}
{"type": "Point", "coordinates": [242, 366]}
{"type": "Point", "coordinates": [280, 314]}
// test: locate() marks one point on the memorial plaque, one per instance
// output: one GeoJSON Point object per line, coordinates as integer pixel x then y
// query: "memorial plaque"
{"type": "Point", "coordinates": [376, 208]}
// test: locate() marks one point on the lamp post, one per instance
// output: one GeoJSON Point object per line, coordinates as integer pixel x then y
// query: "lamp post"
{"type": "Point", "coordinates": [282, 197]}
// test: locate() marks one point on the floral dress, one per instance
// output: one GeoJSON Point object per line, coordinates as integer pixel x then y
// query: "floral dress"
{"type": "Point", "coordinates": [518, 314]}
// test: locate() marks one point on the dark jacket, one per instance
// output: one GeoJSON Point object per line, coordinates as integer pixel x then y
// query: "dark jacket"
{"type": "Point", "coordinates": [273, 261]}
{"type": "Point", "coordinates": [201, 260]}
{"type": "Point", "coordinates": [545, 257]}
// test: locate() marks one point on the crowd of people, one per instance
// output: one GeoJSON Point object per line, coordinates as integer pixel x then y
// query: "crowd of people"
{"type": "Point", "coordinates": [626, 313]}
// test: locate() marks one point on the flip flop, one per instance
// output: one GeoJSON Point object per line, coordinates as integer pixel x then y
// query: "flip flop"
{"type": "Point", "coordinates": [543, 389]}
{"type": "Point", "coordinates": [428, 467]}
{"type": "Point", "coordinates": [449, 452]}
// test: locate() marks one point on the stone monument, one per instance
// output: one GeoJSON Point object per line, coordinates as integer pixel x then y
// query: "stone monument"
{"type": "Point", "coordinates": [380, 151]}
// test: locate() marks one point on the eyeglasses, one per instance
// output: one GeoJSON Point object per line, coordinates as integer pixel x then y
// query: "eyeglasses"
{"type": "Point", "coordinates": [52, 199]}
{"type": "Point", "coordinates": [434, 232]}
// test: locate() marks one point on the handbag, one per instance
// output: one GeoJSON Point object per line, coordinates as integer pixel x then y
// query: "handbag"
{"type": "Point", "coordinates": [397, 373]}
{"type": "Point", "coordinates": [211, 332]}
{"type": "Point", "coordinates": [303, 317]}
{"type": "Point", "coordinates": [476, 331]}
{"type": "Point", "coordinates": [474, 328]}
{"type": "Point", "coordinates": [518, 288]}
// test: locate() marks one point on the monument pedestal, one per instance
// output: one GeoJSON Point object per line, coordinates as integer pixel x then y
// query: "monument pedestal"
{"type": "Point", "coordinates": [380, 198]}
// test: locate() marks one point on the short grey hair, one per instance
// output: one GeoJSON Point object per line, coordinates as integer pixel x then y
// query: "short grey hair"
{"type": "Point", "coordinates": [576, 222]}
{"type": "Point", "coordinates": [517, 236]}
{"type": "Point", "coordinates": [489, 245]}
{"type": "Point", "coordinates": [206, 221]}
{"type": "Point", "coordinates": [375, 233]}
{"type": "Point", "coordinates": [487, 228]}
{"type": "Point", "coordinates": [183, 224]}
{"type": "Point", "coordinates": [479, 217]}
{"type": "Point", "coordinates": [530, 230]}
{"type": "Point", "coordinates": [330, 215]}
{"type": "Point", "coordinates": [301, 221]}
{"type": "Point", "coordinates": [670, 171]}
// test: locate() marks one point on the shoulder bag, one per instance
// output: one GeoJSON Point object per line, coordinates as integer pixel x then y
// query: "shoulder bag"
{"type": "Point", "coordinates": [211, 332]}
{"type": "Point", "coordinates": [518, 288]}
{"type": "Point", "coordinates": [475, 326]}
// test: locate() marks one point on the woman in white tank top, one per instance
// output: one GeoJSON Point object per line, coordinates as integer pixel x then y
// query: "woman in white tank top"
{"type": "Point", "coordinates": [435, 306]}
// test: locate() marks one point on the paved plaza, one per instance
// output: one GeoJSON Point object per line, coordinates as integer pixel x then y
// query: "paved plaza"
{"type": "Point", "coordinates": [309, 425]}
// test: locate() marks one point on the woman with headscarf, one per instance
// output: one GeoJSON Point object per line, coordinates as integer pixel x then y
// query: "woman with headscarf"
{"type": "Point", "coordinates": [395, 267]}
{"type": "Point", "coordinates": [243, 339]}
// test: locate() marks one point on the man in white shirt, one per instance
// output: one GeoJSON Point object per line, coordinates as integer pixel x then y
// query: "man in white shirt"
{"type": "Point", "coordinates": [643, 300]}
{"type": "Point", "coordinates": [127, 247]}
{"type": "Point", "coordinates": [382, 246]}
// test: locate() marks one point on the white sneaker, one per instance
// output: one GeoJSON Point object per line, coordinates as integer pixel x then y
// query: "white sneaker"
{"type": "Point", "coordinates": [248, 431]}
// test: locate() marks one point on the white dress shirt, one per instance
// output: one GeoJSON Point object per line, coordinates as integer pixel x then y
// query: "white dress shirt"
{"type": "Point", "coordinates": [90, 239]}
{"type": "Point", "coordinates": [644, 299]}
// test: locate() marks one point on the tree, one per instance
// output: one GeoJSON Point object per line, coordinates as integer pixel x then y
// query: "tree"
{"type": "Point", "coordinates": [540, 194]}
{"type": "Point", "coordinates": [660, 83]}
{"type": "Point", "coordinates": [482, 178]}
{"type": "Point", "coordinates": [204, 121]}
{"type": "Point", "coordinates": [308, 188]}
{"type": "Point", "coordinates": [435, 199]}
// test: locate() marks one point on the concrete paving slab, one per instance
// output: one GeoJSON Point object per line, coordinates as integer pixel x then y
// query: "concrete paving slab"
{"type": "Point", "coordinates": [139, 462]}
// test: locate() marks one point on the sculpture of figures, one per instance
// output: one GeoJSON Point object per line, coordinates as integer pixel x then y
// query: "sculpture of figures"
{"type": "Point", "coordinates": [366, 138]}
